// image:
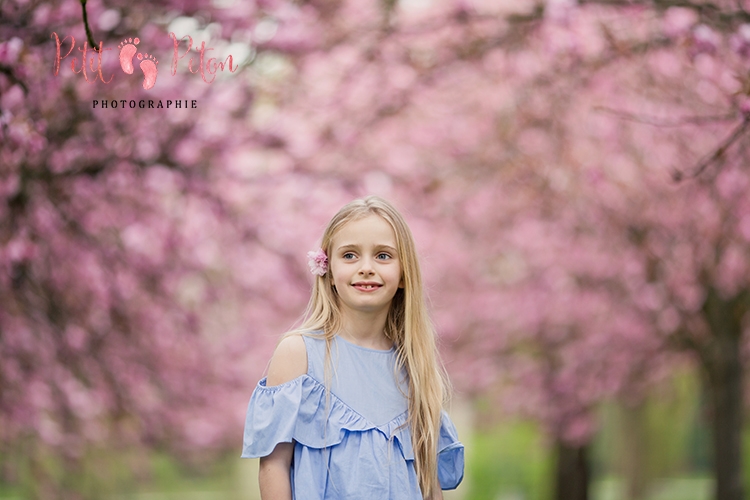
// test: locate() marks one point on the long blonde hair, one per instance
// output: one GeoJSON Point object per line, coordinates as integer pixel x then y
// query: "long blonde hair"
{"type": "Point", "coordinates": [407, 325]}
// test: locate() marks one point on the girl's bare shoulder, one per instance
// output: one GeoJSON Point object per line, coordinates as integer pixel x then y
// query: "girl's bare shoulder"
{"type": "Point", "coordinates": [289, 360]}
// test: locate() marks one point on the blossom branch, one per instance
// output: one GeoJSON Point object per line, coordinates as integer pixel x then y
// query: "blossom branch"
{"type": "Point", "coordinates": [89, 35]}
{"type": "Point", "coordinates": [718, 153]}
{"type": "Point", "coordinates": [657, 122]}
{"type": "Point", "coordinates": [8, 71]}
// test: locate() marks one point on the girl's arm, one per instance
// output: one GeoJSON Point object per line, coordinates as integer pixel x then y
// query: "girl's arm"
{"type": "Point", "coordinates": [289, 361]}
{"type": "Point", "coordinates": [437, 493]}
{"type": "Point", "coordinates": [273, 475]}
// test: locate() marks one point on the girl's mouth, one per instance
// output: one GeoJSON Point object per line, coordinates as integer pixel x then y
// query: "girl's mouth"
{"type": "Point", "coordinates": [366, 287]}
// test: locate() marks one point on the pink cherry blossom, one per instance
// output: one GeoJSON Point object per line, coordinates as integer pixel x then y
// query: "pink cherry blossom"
{"type": "Point", "coordinates": [318, 262]}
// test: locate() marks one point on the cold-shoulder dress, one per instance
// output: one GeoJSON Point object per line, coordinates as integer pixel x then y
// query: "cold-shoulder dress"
{"type": "Point", "coordinates": [356, 443]}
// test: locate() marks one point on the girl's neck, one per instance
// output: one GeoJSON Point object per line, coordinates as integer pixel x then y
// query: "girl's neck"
{"type": "Point", "coordinates": [365, 331]}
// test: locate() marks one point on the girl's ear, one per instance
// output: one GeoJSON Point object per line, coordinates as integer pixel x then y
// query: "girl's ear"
{"type": "Point", "coordinates": [401, 283]}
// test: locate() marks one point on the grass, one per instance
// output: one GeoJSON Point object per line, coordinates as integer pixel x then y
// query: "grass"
{"type": "Point", "coordinates": [677, 488]}
{"type": "Point", "coordinates": [512, 462]}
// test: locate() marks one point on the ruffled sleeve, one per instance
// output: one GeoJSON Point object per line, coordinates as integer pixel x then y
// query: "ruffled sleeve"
{"type": "Point", "coordinates": [450, 455]}
{"type": "Point", "coordinates": [271, 416]}
{"type": "Point", "coordinates": [296, 411]}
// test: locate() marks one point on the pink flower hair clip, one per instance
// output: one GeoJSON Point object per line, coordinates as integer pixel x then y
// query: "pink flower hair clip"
{"type": "Point", "coordinates": [318, 262]}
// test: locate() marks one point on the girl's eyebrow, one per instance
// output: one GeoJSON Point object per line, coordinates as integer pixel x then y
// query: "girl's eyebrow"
{"type": "Point", "coordinates": [355, 246]}
{"type": "Point", "coordinates": [387, 247]}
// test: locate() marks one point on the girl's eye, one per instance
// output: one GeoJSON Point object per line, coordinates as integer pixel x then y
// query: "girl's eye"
{"type": "Point", "coordinates": [348, 255]}
{"type": "Point", "coordinates": [383, 256]}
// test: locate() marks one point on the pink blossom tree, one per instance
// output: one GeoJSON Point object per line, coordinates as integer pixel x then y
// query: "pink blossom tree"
{"type": "Point", "coordinates": [548, 138]}
{"type": "Point", "coordinates": [151, 259]}
{"type": "Point", "coordinates": [121, 236]}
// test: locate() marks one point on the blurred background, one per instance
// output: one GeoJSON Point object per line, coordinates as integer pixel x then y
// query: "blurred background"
{"type": "Point", "coordinates": [575, 174]}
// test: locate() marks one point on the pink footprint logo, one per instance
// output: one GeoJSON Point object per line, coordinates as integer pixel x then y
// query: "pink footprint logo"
{"type": "Point", "coordinates": [127, 51]}
{"type": "Point", "coordinates": [148, 66]}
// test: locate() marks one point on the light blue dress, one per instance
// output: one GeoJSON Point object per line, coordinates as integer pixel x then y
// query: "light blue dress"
{"type": "Point", "coordinates": [363, 449]}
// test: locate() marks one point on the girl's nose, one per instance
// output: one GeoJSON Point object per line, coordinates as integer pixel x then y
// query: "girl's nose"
{"type": "Point", "coordinates": [366, 266]}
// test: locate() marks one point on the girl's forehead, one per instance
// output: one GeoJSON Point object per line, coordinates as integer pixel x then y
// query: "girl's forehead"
{"type": "Point", "coordinates": [371, 229]}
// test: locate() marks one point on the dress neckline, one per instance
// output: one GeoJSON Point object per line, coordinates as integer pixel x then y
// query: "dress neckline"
{"type": "Point", "coordinates": [387, 351]}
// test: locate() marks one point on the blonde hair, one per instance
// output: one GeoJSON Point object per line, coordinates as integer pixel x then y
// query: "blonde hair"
{"type": "Point", "coordinates": [407, 325]}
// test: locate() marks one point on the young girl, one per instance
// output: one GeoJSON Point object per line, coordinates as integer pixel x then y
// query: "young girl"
{"type": "Point", "coordinates": [352, 407]}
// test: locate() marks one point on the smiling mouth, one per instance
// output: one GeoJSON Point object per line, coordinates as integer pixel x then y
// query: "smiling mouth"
{"type": "Point", "coordinates": [366, 286]}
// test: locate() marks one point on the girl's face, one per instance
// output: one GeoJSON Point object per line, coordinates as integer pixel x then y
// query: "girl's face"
{"type": "Point", "coordinates": [364, 265]}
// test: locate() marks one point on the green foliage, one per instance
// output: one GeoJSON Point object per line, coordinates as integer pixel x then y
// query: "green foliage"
{"type": "Point", "coordinates": [509, 461]}
{"type": "Point", "coordinates": [116, 474]}
{"type": "Point", "coordinates": [665, 433]}
{"type": "Point", "coordinates": [746, 455]}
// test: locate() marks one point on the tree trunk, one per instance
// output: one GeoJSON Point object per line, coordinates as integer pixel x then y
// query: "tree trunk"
{"type": "Point", "coordinates": [634, 450]}
{"type": "Point", "coordinates": [724, 377]}
{"type": "Point", "coordinates": [572, 478]}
